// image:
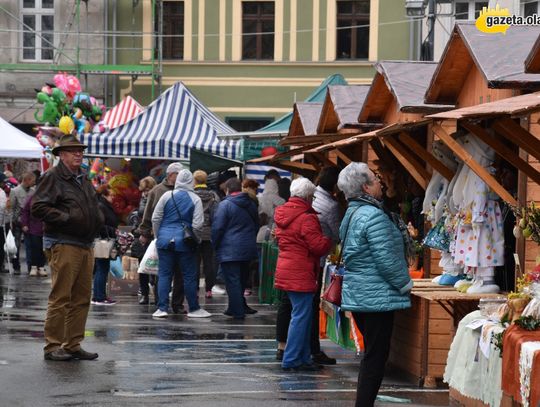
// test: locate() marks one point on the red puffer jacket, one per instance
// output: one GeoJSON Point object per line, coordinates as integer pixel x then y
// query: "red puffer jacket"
{"type": "Point", "coordinates": [301, 244]}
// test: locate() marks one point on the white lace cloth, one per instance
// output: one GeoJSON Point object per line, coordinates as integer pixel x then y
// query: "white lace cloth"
{"type": "Point", "coordinates": [526, 358]}
{"type": "Point", "coordinates": [468, 370]}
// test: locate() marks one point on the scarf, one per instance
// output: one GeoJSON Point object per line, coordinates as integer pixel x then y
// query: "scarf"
{"type": "Point", "coordinates": [408, 244]}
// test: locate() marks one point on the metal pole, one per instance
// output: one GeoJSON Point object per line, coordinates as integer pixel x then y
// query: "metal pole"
{"type": "Point", "coordinates": [78, 37]}
{"type": "Point", "coordinates": [115, 6]}
{"type": "Point", "coordinates": [160, 44]}
{"type": "Point", "coordinates": [431, 35]}
{"type": "Point", "coordinates": [106, 51]}
{"type": "Point", "coordinates": [153, 45]}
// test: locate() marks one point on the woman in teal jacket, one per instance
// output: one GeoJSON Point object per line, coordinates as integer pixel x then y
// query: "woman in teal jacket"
{"type": "Point", "coordinates": [376, 281]}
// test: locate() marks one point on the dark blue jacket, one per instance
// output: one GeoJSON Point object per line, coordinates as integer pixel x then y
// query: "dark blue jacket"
{"type": "Point", "coordinates": [234, 229]}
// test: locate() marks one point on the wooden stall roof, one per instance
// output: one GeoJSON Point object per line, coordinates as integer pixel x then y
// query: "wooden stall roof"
{"type": "Point", "coordinates": [405, 82]}
{"type": "Point", "coordinates": [305, 118]}
{"type": "Point", "coordinates": [500, 59]}
{"type": "Point", "coordinates": [532, 63]}
{"type": "Point", "coordinates": [341, 107]}
{"type": "Point", "coordinates": [389, 130]}
{"type": "Point", "coordinates": [515, 107]}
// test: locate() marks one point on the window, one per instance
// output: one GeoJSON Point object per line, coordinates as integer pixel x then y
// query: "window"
{"type": "Point", "coordinates": [258, 30]}
{"type": "Point", "coordinates": [173, 30]}
{"type": "Point", "coordinates": [530, 8]}
{"type": "Point", "coordinates": [469, 10]}
{"type": "Point", "coordinates": [37, 18]}
{"type": "Point", "coordinates": [352, 29]}
{"type": "Point", "coordinates": [242, 124]}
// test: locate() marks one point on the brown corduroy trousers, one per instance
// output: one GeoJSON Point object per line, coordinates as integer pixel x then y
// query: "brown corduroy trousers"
{"type": "Point", "coordinates": [69, 300]}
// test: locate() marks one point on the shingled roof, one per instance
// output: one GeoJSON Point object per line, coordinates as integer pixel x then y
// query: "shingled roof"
{"type": "Point", "coordinates": [341, 107]}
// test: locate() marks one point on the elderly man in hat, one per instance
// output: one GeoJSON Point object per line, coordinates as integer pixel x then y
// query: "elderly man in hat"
{"type": "Point", "coordinates": [145, 228]}
{"type": "Point", "coordinates": [67, 204]}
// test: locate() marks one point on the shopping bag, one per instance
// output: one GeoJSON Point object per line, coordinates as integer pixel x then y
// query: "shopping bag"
{"type": "Point", "coordinates": [437, 237]}
{"type": "Point", "coordinates": [10, 247]}
{"type": "Point", "coordinates": [116, 268]}
{"type": "Point", "coordinates": [103, 248]}
{"type": "Point", "coordinates": [149, 262]}
{"type": "Point", "coordinates": [332, 293]}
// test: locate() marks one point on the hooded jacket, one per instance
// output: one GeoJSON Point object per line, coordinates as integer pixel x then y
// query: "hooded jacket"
{"type": "Point", "coordinates": [234, 229]}
{"type": "Point", "coordinates": [301, 244]}
{"type": "Point", "coordinates": [175, 210]}
{"type": "Point", "coordinates": [210, 201]}
{"type": "Point", "coordinates": [269, 200]}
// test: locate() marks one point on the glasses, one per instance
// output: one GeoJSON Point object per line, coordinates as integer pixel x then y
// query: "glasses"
{"type": "Point", "coordinates": [74, 151]}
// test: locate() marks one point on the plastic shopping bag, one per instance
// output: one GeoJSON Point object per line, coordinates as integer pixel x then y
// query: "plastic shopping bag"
{"type": "Point", "coordinates": [10, 248]}
{"type": "Point", "coordinates": [116, 268]}
{"type": "Point", "coordinates": [149, 262]}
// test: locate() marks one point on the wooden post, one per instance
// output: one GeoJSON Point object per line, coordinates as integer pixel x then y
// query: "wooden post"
{"type": "Point", "coordinates": [343, 156]}
{"type": "Point", "coordinates": [473, 165]}
{"type": "Point", "coordinates": [417, 171]}
{"type": "Point", "coordinates": [426, 156]}
{"type": "Point", "coordinates": [501, 149]}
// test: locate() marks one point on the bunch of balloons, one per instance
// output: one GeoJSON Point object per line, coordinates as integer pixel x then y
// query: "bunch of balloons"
{"type": "Point", "coordinates": [66, 107]}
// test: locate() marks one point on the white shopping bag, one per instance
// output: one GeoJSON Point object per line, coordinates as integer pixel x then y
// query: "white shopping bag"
{"type": "Point", "coordinates": [149, 262]}
{"type": "Point", "coordinates": [10, 248]}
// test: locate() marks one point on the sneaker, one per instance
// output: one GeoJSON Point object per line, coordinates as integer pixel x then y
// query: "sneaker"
{"type": "Point", "coordinates": [58, 355]}
{"type": "Point", "coordinates": [208, 294]}
{"type": "Point", "coordinates": [33, 271]}
{"type": "Point", "coordinates": [322, 359]}
{"type": "Point", "coordinates": [247, 292]}
{"type": "Point", "coordinates": [279, 354]}
{"type": "Point", "coordinates": [218, 290]}
{"type": "Point", "coordinates": [106, 301]}
{"type": "Point", "coordinates": [200, 313]}
{"type": "Point", "coordinates": [160, 314]}
{"type": "Point", "coordinates": [143, 300]}
{"type": "Point", "coordinates": [41, 272]}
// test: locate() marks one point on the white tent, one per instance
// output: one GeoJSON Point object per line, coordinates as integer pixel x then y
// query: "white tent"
{"type": "Point", "coordinates": [16, 144]}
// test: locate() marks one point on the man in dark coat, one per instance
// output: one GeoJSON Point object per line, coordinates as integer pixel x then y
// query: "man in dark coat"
{"type": "Point", "coordinates": [234, 232]}
{"type": "Point", "coordinates": [67, 204]}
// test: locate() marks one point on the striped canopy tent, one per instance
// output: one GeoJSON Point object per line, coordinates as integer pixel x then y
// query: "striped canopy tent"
{"type": "Point", "coordinates": [167, 129]}
{"type": "Point", "coordinates": [122, 113]}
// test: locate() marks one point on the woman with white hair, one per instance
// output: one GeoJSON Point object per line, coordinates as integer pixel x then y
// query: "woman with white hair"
{"type": "Point", "coordinates": [177, 214]}
{"type": "Point", "coordinates": [376, 281]}
{"type": "Point", "coordinates": [301, 244]}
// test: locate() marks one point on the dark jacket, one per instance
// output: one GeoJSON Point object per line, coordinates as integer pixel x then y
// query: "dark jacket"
{"type": "Point", "coordinates": [68, 209]}
{"type": "Point", "coordinates": [234, 229]}
{"type": "Point", "coordinates": [210, 201]}
{"type": "Point", "coordinates": [153, 198]}
{"type": "Point", "coordinates": [35, 226]}
{"type": "Point", "coordinates": [111, 220]}
{"type": "Point", "coordinates": [301, 244]}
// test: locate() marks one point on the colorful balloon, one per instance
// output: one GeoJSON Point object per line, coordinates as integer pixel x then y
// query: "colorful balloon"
{"type": "Point", "coordinates": [66, 125]}
{"type": "Point", "coordinates": [69, 84]}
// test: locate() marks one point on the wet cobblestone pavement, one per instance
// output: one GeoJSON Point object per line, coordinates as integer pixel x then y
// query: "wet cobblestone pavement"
{"type": "Point", "coordinates": [177, 361]}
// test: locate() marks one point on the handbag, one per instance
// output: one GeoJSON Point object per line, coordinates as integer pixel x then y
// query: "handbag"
{"type": "Point", "coordinates": [189, 239]}
{"type": "Point", "coordinates": [150, 261]}
{"type": "Point", "coordinates": [332, 293]}
{"type": "Point", "coordinates": [10, 247]}
{"type": "Point", "coordinates": [116, 268]}
{"type": "Point", "coordinates": [438, 237]}
{"type": "Point", "coordinates": [103, 248]}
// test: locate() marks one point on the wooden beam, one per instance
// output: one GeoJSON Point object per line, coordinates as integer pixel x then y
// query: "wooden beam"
{"type": "Point", "coordinates": [426, 156]}
{"type": "Point", "coordinates": [473, 165]}
{"type": "Point", "coordinates": [501, 149]}
{"type": "Point", "coordinates": [382, 152]}
{"type": "Point", "coordinates": [323, 159]}
{"type": "Point", "coordinates": [313, 161]}
{"type": "Point", "coordinates": [417, 171]}
{"type": "Point", "coordinates": [304, 169]}
{"type": "Point", "coordinates": [518, 135]}
{"type": "Point", "coordinates": [319, 138]}
{"type": "Point", "coordinates": [343, 156]}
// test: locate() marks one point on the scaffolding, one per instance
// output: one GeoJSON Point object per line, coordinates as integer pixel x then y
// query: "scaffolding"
{"type": "Point", "coordinates": [69, 59]}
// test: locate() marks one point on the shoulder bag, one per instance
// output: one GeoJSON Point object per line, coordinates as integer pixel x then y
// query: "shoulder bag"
{"type": "Point", "coordinates": [190, 241]}
{"type": "Point", "coordinates": [332, 294]}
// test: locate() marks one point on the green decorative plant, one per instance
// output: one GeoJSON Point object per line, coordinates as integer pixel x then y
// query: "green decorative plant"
{"type": "Point", "coordinates": [528, 323]}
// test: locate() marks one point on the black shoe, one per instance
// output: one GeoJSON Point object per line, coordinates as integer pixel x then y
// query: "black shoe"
{"type": "Point", "coordinates": [230, 314]}
{"type": "Point", "coordinates": [178, 310]}
{"type": "Point", "coordinates": [322, 359]}
{"type": "Point", "coordinates": [81, 354]}
{"type": "Point", "coordinates": [58, 355]}
{"type": "Point", "coordinates": [17, 272]}
{"type": "Point", "coordinates": [143, 300]}
{"type": "Point", "coordinates": [249, 310]}
{"type": "Point", "coordinates": [279, 354]}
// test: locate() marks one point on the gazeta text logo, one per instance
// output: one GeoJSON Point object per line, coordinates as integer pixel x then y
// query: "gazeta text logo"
{"type": "Point", "coordinates": [498, 20]}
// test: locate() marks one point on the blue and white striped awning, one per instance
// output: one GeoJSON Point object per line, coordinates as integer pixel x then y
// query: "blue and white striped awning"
{"type": "Point", "coordinates": [167, 129]}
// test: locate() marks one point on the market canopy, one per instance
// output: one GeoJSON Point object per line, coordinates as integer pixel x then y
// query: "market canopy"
{"type": "Point", "coordinates": [16, 144]}
{"type": "Point", "coordinates": [169, 127]}
{"type": "Point", "coordinates": [201, 160]}
{"type": "Point", "coordinates": [122, 113]}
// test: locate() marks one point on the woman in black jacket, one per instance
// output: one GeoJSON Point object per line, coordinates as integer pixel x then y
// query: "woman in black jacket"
{"type": "Point", "coordinates": [108, 231]}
